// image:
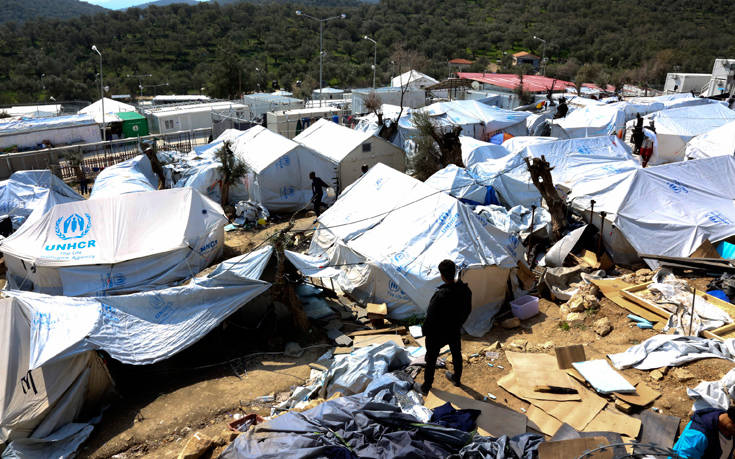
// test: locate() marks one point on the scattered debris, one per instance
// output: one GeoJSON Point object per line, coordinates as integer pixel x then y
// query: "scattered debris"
{"type": "Point", "coordinates": [602, 326]}
{"type": "Point", "coordinates": [196, 446]}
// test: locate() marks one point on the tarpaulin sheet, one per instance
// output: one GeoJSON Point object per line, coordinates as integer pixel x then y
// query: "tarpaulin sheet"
{"type": "Point", "coordinates": [457, 182]}
{"type": "Point", "coordinates": [476, 151]}
{"type": "Point", "coordinates": [26, 192]}
{"type": "Point", "coordinates": [132, 176]}
{"type": "Point", "coordinates": [140, 328]}
{"type": "Point", "coordinates": [590, 121]}
{"type": "Point", "coordinates": [403, 228]}
{"type": "Point", "coordinates": [717, 142]}
{"type": "Point", "coordinates": [516, 219]}
{"type": "Point", "coordinates": [370, 424]}
{"type": "Point", "coordinates": [671, 351]}
{"type": "Point", "coordinates": [714, 394]}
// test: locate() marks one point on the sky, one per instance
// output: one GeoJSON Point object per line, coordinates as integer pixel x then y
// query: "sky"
{"type": "Point", "coordinates": [117, 4]}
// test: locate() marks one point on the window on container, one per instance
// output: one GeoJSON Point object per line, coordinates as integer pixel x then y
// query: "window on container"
{"type": "Point", "coordinates": [169, 124]}
{"type": "Point", "coordinates": [366, 147]}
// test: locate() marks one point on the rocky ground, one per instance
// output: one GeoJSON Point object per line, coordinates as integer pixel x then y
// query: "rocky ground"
{"type": "Point", "coordinates": [203, 389]}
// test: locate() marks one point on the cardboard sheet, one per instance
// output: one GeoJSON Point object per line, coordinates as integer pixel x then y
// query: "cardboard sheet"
{"type": "Point", "coordinates": [566, 355]}
{"type": "Point", "coordinates": [569, 449]}
{"type": "Point", "coordinates": [542, 422]}
{"type": "Point", "coordinates": [367, 340]}
{"type": "Point", "coordinates": [610, 421]}
{"type": "Point", "coordinates": [659, 429]}
{"type": "Point", "coordinates": [530, 370]}
{"type": "Point", "coordinates": [575, 413]}
{"type": "Point", "coordinates": [611, 289]}
{"type": "Point", "coordinates": [642, 396]}
{"type": "Point", "coordinates": [494, 419]}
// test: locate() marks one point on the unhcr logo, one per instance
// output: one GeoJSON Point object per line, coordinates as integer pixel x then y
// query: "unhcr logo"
{"type": "Point", "coordinates": [73, 227]}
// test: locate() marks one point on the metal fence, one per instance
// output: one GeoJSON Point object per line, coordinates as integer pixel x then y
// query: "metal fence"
{"type": "Point", "coordinates": [96, 156]}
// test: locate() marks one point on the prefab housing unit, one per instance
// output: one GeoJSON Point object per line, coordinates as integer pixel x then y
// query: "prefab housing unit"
{"type": "Point", "coordinates": [350, 150]}
{"type": "Point", "coordinates": [133, 124]}
{"type": "Point", "coordinates": [328, 93]}
{"type": "Point", "coordinates": [28, 133]}
{"type": "Point", "coordinates": [686, 82]}
{"type": "Point", "coordinates": [262, 103]}
{"type": "Point", "coordinates": [290, 123]}
{"type": "Point", "coordinates": [413, 98]}
{"type": "Point", "coordinates": [162, 120]}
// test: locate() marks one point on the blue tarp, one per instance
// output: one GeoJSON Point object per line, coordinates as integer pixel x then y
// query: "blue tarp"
{"type": "Point", "coordinates": [458, 182]}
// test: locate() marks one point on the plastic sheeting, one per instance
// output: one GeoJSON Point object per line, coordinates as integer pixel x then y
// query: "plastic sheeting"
{"type": "Point", "coordinates": [111, 107]}
{"type": "Point", "coordinates": [132, 176]}
{"type": "Point", "coordinates": [390, 231]}
{"type": "Point", "coordinates": [116, 245]}
{"type": "Point", "coordinates": [675, 127]}
{"type": "Point", "coordinates": [671, 351]}
{"type": "Point", "coordinates": [714, 394]}
{"type": "Point", "coordinates": [590, 121]}
{"type": "Point", "coordinates": [516, 219]}
{"type": "Point", "coordinates": [457, 182]}
{"type": "Point", "coordinates": [476, 151]}
{"type": "Point", "coordinates": [145, 327]}
{"type": "Point", "coordinates": [29, 133]}
{"type": "Point", "coordinates": [26, 192]}
{"type": "Point", "coordinates": [717, 142]}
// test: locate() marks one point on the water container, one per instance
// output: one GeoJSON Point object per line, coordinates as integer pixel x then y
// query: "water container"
{"type": "Point", "coordinates": [524, 307]}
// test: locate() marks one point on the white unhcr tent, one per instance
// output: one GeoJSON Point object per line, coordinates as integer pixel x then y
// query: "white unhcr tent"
{"type": "Point", "coordinates": [386, 235]}
{"type": "Point", "coordinates": [476, 151]}
{"type": "Point", "coordinates": [717, 142]}
{"type": "Point", "coordinates": [26, 192]}
{"type": "Point", "coordinates": [590, 121]}
{"type": "Point", "coordinates": [280, 169]}
{"type": "Point", "coordinates": [115, 245]}
{"type": "Point", "coordinates": [132, 176]}
{"type": "Point", "coordinates": [677, 126]}
{"type": "Point", "coordinates": [50, 372]}
{"type": "Point", "coordinates": [349, 149]}
{"type": "Point", "coordinates": [413, 78]}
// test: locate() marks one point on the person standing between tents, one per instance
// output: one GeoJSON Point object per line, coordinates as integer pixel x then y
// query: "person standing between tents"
{"type": "Point", "coordinates": [637, 136]}
{"type": "Point", "coordinates": [448, 310]}
{"type": "Point", "coordinates": [317, 189]}
{"type": "Point", "coordinates": [364, 169]}
{"type": "Point", "coordinates": [562, 109]}
{"type": "Point", "coordinates": [701, 437]}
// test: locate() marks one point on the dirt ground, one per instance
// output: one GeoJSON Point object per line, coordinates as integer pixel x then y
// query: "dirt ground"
{"type": "Point", "coordinates": [161, 406]}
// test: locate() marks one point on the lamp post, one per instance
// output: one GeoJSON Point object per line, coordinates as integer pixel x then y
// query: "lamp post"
{"type": "Point", "coordinates": [140, 82]}
{"type": "Point", "coordinates": [321, 44]}
{"type": "Point", "coordinates": [102, 95]}
{"type": "Point", "coordinates": [543, 54]}
{"type": "Point", "coordinates": [375, 56]}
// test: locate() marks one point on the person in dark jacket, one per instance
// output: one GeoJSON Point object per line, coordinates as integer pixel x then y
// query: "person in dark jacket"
{"type": "Point", "coordinates": [448, 310]}
{"type": "Point", "coordinates": [317, 189]}
{"type": "Point", "coordinates": [701, 437]}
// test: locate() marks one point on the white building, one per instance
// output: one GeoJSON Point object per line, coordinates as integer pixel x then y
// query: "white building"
{"type": "Point", "coordinates": [289, 123]}
{"type": "Point", "coordinates": [174, 118]}
{"type": "Point", "coordinates": [350, 150]}
{"type": "Point", "coordinates": [413, 98]}
{"type": "Point", "coordinates": [261, 103]}
{"type": "Point", "coordinates": [723, 78]}
{"type": "Point", "coordinates": [686, 82]}
{"type": "Point", "coordinates": [328, 93]}
{"type": "Point", "coordinates": [414, 79]}
{"type": "Point", "coordinates": [29, 134]}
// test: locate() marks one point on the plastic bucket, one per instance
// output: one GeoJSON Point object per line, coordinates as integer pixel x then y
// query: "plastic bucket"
{"type": "Point", "coordinates": [524, 307]}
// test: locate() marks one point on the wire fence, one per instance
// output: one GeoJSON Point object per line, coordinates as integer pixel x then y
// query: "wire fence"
{"type": "Point", "coordinates": [70, 162]}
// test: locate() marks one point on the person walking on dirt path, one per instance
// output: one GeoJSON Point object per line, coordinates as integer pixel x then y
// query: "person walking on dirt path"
{"type": "Point", "coordinates": [448, 310]}
{"type": "Point", "coordinates": [701, 437]}
{"type": "Point", "coordinates": [317, 189]}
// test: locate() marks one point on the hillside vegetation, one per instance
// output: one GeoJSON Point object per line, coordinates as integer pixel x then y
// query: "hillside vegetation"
{"type": "Point", "coordinates": [226, 48]}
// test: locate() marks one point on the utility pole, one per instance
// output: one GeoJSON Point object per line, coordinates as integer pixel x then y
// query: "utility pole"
{"type": "Point", "coordinates": [102, 95]}
{"type": "Point", "coordinates": [543, 55]}
{"type": "Point", "coordinates": [321, 44]}
{"type": "Point", "coordinates": [375, 56]}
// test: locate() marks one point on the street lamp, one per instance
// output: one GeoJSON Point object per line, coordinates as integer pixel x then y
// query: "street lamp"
{"type": "Point", "coordinates": [375, 56]}
{"type": "Point", "coordinates": [140, 82]}
{"type": "Point", "coordinates": [102, 95]}
{"type": "Point", "coordinates": [543, 54]}
{"type": "Point", "coordinates": [321, 44]}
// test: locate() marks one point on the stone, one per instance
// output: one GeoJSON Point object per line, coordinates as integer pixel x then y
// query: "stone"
{"type": "Point", "coordinates": [226, 437]}
{"type": "Point", "coordinates": [495, 345]}
{"type": "Point", "coordinates": [575, 317]}
{"type": "Point", "coordinates": [576, 304]}
{"type": "Point", "coordinates": [682, 374]}
{"type": "Point", "coordinates": [511, 323]}
{"type": "Point", "coordinates": [564, 310]}
{"type": "Point", "coordinates": [293, 349]}
{"type": "Point", "coordinates": [656, 375]}
{"type": "Point", "coordinates": [643, 272]}
{"type": "Point", "coordinates": [602, 326]}
{"type": "Point", "coordinates": [623, 406]}
{"type": "Point", "coordinates": [590, 302]}
{"type": "Point", "coordinates": [519, 345]}
{"type": "Point", "coordinates": [196, 447]}
{"type": "Point", "coordinates": [548, 345]}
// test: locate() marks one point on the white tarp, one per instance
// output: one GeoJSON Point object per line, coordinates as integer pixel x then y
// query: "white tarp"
{"type": "Point", "coordinates": [717, 142]}
{"type": "Point", "coordinates": [476, 151]}
{"type": "Point", "coordinates": [388, 232]}
{"type": "Point", "coordinates": [111, 108]}
{"type": "Point", "coordinates": [457, 182]}
{"type": "Point", "coordinates": [590, 121]}
{"type": "Point", "coordinates": [146, 327]}
{"type": "Point", "coordinates": [574, 162]}
{"type": "Point", "coordinates": [37, 402]}
{"type": "Point", "coordinates": [132, 176]}
{"type": "Point", "coordinates": [675, 127]}
{"type": "Point", "coordinates": [413, 78]}
{"type": "Point", "coordinates": [28, 191]}
{"type": "Point", "coordinates": [280, 169]}
{"type": "Point", "coordinates": [114, 245]}
{"type": "Point", "coordinates": [518, 143]}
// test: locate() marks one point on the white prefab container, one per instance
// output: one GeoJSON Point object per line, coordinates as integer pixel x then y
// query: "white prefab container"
{"type": "Point", "coordinates": [686, 82]}
{"type": "Point", "coordinates": [290, 123]}
{"type": "Point", "coordinates": [350, 150]}
{"type": "Point", "coordinates": [261, 103]}
{"type": "Point", "coordinates": [413, 98]}
{"type": "Point", "coordinates": [162, 120]}
{"type": "Point", "coordinates": [328, 93]}
{"type": "Point", "coordinates": [26, 133]}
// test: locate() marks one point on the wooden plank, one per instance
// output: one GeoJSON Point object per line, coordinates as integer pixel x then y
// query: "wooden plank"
{"type": "Point", "coordinates": [612, 288]}
{"type": "Point", "coordinates": [565, 355]}
{"type": "Point", "coordinates": [380, 331]}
